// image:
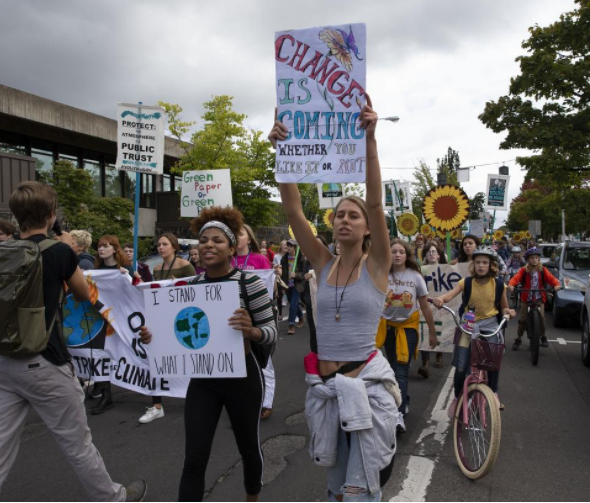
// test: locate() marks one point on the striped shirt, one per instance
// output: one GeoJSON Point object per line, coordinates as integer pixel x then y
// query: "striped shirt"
{"type": "Point", "coordinates": [258, 301]}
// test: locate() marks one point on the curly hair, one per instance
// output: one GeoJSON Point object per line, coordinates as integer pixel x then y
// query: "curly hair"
{"type": "Point", "coordinates": [492, 271]}
{"type": "Point", "coordinates": [229, 216]}
{"type": "Point", "coordinates": [120, 256]}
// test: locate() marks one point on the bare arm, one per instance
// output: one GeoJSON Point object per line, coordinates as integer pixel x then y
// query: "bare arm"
{"type": "Point", "coordinates": [429, 320]}
{"type": "Point", "coordinates": [78, 286]}
{"type": "Point", "coordinates": [447, 297]}
{"type": "Point", "coordinates": [380, 254]}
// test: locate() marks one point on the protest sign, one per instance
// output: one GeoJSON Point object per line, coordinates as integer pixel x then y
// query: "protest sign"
{"type": "Point", "coordinates": [202, 189]}
{"type": "Point", "coordinates": [497, 192]}
{"type": "Point", "coordinates": [140, 138]}
{"type": "Point", "coordinates": [388, 195]}
{"type": "Point", "coordinates": [330, 194]}
{"type": "Point", "coordinates": [194, 338]}
{"type": "Point", "coordinates": [320, 82]}
{"type": "Point", "coordinates": [402, 202]}
{"type": "Point", "coordinates": [476, 227]}
{"type": "Point", "coordinates": [441, 279]}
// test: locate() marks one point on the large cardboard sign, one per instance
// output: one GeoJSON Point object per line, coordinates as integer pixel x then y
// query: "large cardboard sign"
{"type": "Point", "coordinates": [140, 138]}
{"type": "Point", "coordinates": [194, 338]}
{"type": "Point", "coordinates": [320, 82]}
{"type": "Point", "coordinates": [202, 189]}
{"type": "Point", "coordinates": [441, 279]}
{"type": "Point", "coordinates": [497, 192]}
{"type": "Point", "coordinates": [329, 194]}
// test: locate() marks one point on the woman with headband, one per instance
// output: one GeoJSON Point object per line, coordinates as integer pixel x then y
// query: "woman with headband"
{"type": "Point", "coordinates": [350, 405]}
{"type": "Point", "coordinates": [217, 229]}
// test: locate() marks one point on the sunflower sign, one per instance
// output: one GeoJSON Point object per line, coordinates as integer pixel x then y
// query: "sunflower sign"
{"type": "Point", "coordinates": [320, 84]}
{"type": "Point", "coordinates": [313, 229]}
{"type": "Point", "coordinates": [446, 207]}
{"type": "Point", "coordinates": [408, 224]}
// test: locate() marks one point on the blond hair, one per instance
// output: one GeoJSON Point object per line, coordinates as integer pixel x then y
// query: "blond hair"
{"type": "Point", "coordinates": [82, 238]}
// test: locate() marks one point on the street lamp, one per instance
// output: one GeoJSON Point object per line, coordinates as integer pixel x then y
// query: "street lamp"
{"type": "Point", "coordinates": [393, 118]}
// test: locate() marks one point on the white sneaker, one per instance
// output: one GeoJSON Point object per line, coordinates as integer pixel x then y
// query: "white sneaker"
{"type": "Point", "coordinates": [401, 425]}
{"type": "Point", "coordinates": [151, 414]}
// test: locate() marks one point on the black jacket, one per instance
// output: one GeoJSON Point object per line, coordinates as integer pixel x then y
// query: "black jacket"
{"type": "Point", "coordinates": [299, 272]}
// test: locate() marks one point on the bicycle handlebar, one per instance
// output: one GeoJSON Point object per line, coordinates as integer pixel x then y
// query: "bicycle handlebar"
{"type": "Point", "coordinates": [455, 317]}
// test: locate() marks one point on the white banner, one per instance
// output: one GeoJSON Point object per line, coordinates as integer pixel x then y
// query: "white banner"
{"type": "Point", "coordinates": [320, 82]}
{"type": "Point", "coordinates": [476, 227]}
{"type": "Point", "coordinates": [497, 192]}
{"type": "Point", "coordinates": [192, 337]}
{"type": "Point", "coordinates": [202, 189]}
{"type": "Point", "coordinates": [330, 194]}
{"type": "Point", "coordinates": [140, 138]}
{"type": "Point", "coordinates": [441, 279]}
{"type": "Point", "coordinates": [102, 335]}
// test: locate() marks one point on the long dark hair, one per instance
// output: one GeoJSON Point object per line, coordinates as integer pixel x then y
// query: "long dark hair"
{"type": "Point", "coordinates": [410, 260]}
{"type": "Point", "coordinates": [462, 255]}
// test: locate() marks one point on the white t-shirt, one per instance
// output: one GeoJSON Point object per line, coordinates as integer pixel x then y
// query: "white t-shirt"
{"type": "Point", "coordinates": [403, 291]}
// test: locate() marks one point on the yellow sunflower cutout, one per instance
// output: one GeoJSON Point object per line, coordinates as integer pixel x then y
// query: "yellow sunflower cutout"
{"type": "Point", "coordinates": [408, 224]}
{"type": "Point", "coordinates": [456, 234]}
{"type": "Point", "coordinates": [498, 235]}
{"type": "Point", "coordinates": [313, 229]}
{"type": "Point", "coordinates": [426, 230]}
{"type": "Point", "coordinates": [528, 235]}
{"type": "Point", "coordinates": [329, 218]}
{"type": "Point", "coordinates": [446, 207]}
{"type": "Point", "coordinates": [517, 236]}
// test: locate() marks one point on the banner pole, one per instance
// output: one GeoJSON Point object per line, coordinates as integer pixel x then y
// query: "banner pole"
{"type": "Point", "coordinates": [136, 219]}
{"type": "Point", "coordinates": [449, 254]}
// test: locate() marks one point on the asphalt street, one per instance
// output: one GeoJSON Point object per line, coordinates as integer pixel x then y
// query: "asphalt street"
{"type": "Point", "coordinates": [544, 453]}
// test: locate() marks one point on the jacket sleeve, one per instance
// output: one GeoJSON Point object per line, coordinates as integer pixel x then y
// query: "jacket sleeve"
{"type": "Point", "coordinates": [517, 278]}
{"type": "Point", "coordinates": [552, 280]}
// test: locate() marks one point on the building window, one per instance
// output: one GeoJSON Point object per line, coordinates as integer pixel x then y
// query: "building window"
{"type": "Point", "coordinates": [148, 199]}
{"type": "Point", "coordinates": [95, 171]}
{"type": "Point", "coordinates": [129, 184]}
{"type": "Point", "coordinates": [44, 162]}
{"type": "Point", "coordinates": [166, 184]}
{"type": "Point", "coordinates": [71, 158]}
{"type": "Point", "coordinates": [113, 187]}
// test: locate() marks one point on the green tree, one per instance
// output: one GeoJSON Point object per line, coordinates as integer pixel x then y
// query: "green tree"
{"type": "Point", "coordinates": [83, 210]}
{"type": "Point", "coordinates": [450, 160]}
{"type": "Point", "coordinates": [225, 143]}
{"type": "Point", "coordinates": [547, 108]}
{"type": "Point", "coordinates": [424, 181]}
{"type": "Point", "coordinates": [476, 205]}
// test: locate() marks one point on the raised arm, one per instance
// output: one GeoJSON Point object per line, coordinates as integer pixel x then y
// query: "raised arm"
{"type": "Point", "coordinates": [317, 253]}
{"type": "Point", "coordinates": [380, 254]}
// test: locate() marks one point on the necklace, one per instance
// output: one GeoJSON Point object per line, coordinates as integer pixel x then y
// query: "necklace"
{"type": "Point", "coordinates": [338, 305]}
{"type": "Point", "coordinates": [245, 262]}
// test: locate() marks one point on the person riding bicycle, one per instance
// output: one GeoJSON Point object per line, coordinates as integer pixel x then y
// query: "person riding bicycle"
{"type": "Point", "coordinates": [485, 292]}
{"type": "Point", "coordinates": [515, 262]}
{"type": "Point", "coordinates": [533, 276]}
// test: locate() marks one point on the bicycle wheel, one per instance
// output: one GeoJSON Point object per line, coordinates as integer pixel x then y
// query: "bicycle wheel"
{"type": "Point", "coordinates": [534, 326]}
{"type": "Point", "coordinates": [477, 443]}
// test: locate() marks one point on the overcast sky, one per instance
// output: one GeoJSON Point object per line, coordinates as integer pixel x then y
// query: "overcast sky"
{"type": "Point", "coordinates": [433, 63]}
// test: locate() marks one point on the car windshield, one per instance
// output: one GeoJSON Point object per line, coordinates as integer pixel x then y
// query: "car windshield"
{"type": "Point", "coordinates": [577, 259]}
{"type": "Point", "coordinates": [547, 251]}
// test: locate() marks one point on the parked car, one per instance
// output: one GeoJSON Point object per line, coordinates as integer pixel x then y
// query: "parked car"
{"type": "Point", "coordinates": [585, 321]}
{"type": "Point", "coordinates": [570, 263]}
{"type": "Point", "coordinates": [154, 259]}
{"type": "Point", "coordinates": [547, 250]}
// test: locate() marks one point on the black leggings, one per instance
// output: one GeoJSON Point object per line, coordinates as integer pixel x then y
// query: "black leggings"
{"type": "Point", "coordinates": [205, 398]}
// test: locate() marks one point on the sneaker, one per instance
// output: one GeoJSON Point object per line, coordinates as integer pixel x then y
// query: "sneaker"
{"type": "Point", "coordinates": [136, 491]}
{"type": "Point", "coordinates": [151, 414]}
{"type": "Point", "coordinates": [401, 426]}
{"type": "Point", "coordinates": [544, 342]}
{"type": "Point", "coordinates": [516, 344]}
{"type": "Point", "coordinates": [452, 408]}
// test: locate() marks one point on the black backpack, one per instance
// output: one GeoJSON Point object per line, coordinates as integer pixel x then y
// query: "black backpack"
{"type": "Point", "coordinates": [261, 353]}
{"type": "Point", "coordinates": [467, 295]}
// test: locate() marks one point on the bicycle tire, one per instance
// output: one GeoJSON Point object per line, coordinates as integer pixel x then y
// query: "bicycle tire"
{"type": "Point", "coordinates": [534, 325]}
{"type": "Point", "coordinates": [467, 440]}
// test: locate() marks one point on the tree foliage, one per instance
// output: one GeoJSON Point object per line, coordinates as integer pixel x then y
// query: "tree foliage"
{"type": "Point", "coordinates": [424, 180]}
{"type": "Point", "coordinates": [450, 160]}
{"type": "Point", "coordinates": [476, 205]}
{"type": "Point", "coordinates": [547, 108]}
{"type": "Point", "coordinates": [225, 143]}
{"type": "Point", "coordinates": [83, 210]}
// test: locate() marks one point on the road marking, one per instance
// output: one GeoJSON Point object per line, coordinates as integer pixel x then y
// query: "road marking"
{"type": "Point", "coordinates": [420, 468]}
{"type": "Point", "coordinates": [564, 342]}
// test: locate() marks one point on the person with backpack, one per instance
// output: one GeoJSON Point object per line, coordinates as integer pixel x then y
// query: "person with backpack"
{"type": "Point", "coordinates": [515, 262]}
{"type": "Point", "coordinates": [7, 230]}
{"type": "Point", "coordinates": [293, 275]}
{"type": "Point", "coordinates": [218, 229]}
{"type": "Point", "coordinates": [35, 366]}
{"type": "Point", "coordinates": [484, 294]}
{"type": "Point", "coordinates": [532, 276]}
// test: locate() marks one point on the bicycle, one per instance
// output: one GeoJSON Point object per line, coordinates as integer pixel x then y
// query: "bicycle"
{"type": "Point", "coordinates": [534, 323]}
{"type": "Point", "coordinates": [477, 424]}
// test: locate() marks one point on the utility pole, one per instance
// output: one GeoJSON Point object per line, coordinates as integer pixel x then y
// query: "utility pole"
{"type": "Point", "coordinates": [563, 225]}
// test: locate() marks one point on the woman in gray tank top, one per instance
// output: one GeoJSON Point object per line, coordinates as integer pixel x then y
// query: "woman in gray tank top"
{"type": "Point", "coordinates": [350, 297]}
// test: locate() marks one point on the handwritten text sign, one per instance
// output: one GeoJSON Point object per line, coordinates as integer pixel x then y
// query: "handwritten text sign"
{"type": "Point", "coordinates": [192, 337]}
{"type": "Point", "coordinates": [202, 189]}
{"type": "Point", "coordinates": [140, 138]}
{"type": "Point", "coordinates": [320, 85]}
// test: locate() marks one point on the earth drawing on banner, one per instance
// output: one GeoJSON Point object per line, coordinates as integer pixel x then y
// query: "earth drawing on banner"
{"type": "Point", "coordinates": [82, 322]}
{"type": "Point", "coordinates": [191, 327]}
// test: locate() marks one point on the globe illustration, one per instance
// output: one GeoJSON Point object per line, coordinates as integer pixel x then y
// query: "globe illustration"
{"type": "Point", "coordinates": [191, 327]}
{"type": "Point", "coordinates": [82, 322]}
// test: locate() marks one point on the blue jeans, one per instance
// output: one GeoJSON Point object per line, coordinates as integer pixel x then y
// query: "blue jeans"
{"type": "Point", "coordinates": [401, 370]}
{"type": "Point", "coordinates": [347, 477]}
{"type": "Point", "coordinates": [294, 309]}
{"type": "Point", "coordinates": [461, 362]}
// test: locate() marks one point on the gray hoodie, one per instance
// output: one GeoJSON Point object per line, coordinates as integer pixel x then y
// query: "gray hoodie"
{"type": "Point", "coordinates": [365, 405]}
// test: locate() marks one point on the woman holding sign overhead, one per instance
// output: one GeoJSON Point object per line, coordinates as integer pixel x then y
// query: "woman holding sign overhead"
{"type": "Point", "coordinates": [218, 230]}
{"type": "Point", "coordinates": [350, 405]}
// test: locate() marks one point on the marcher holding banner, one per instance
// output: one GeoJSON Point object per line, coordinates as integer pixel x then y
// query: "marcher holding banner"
{"type": "Point", "coordinates": [348, 371]}
{"type": "Point", "coordinates": [218, 229]}
{"type": "Point", "coordinates": [400, 322]}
